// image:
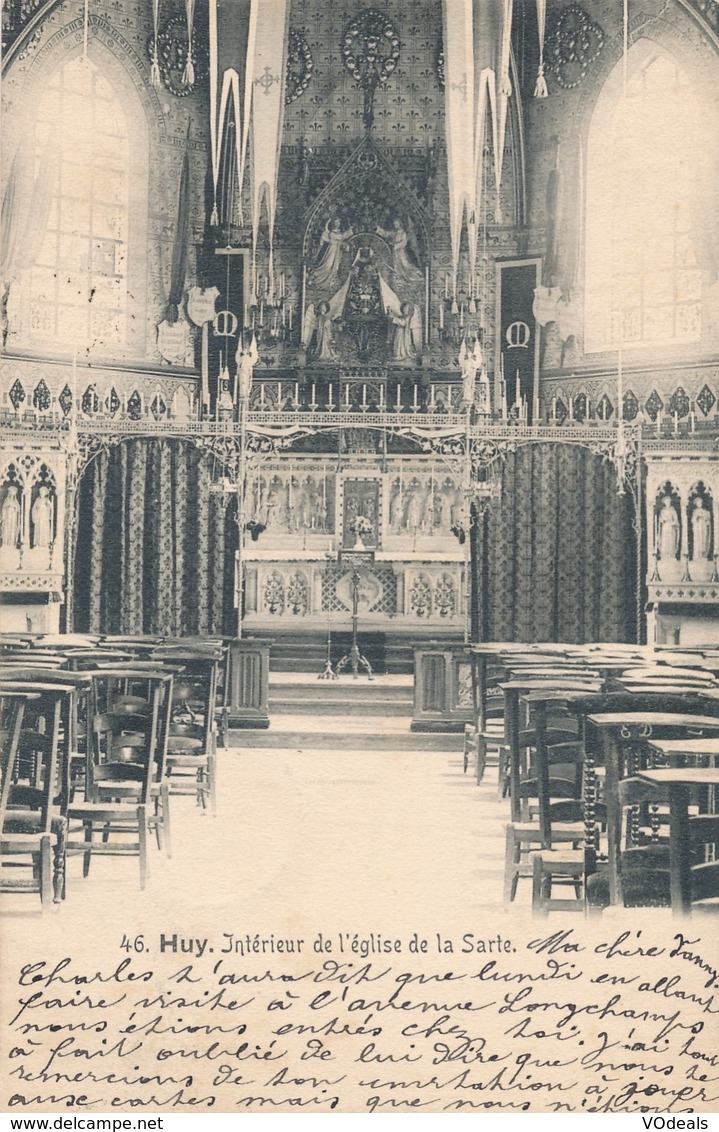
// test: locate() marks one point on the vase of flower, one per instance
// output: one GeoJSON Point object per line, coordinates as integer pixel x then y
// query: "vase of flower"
{"type": "Point", "coordinates": [361, 528]}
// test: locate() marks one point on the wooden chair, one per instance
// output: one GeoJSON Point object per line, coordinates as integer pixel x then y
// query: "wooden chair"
{"type": "Point", "coordinates": [124, 777]}
{"type": "Point", "coordinates": [191, 763]}
{"type": "Point", "coordinates": [34, 830]}
{"type": "Point", "coordinates": [546, 776]}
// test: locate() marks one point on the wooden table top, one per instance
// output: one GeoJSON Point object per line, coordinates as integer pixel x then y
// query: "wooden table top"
{"type": "Point", "coordinates": [685, 746]}
{"type": "Point", "coordinates": [558, 683]}
{"type": "Point", "coordinates": [682, 776]}
{"type": "Point", "coordinates": [654, 719]}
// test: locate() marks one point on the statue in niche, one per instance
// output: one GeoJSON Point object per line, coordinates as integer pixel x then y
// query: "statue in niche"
{"type": "Point", "coordinates": [668, 529]}
{"type": "Point", "coordinates": [446, 503]}
{"type": "Point", "coordinates": [308, 503]}
{"type": "Point", "coordinates": [701, 521]}
{"type": "Point", "coordinates": [43, 518]}
{"type": "Point", "coordinates": [417, 507]}
{"type": "Point", "coordinates": [332, 241]}
{"type": "Point", "coordinates": [319, 516]}
{"type": "Point", "coordinates": [403, 244]}
{"type": "Point", "coordinates": [273, 508]}
{"type": "Point", "coordinates": [396, 507]}
{"type": "Point", "coordinates": [11, 518]}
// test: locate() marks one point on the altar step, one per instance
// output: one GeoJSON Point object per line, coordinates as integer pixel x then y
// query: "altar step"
{"type": "Point", "coordinates": [342, 715]}
{"type": "Point", "coordinates": [392, 653]}
{"type": "Point", "coordinates": [383, 696]}
{"type": "Point", "coordinates": [330, 733]}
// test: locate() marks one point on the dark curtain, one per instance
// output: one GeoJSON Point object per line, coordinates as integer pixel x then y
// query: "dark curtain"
{"type": "Point", "coordinates": [559, 560]}
{"type": "Point", "coordinates": [155, 547]}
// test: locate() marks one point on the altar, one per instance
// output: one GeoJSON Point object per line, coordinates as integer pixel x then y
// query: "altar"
{"type": "Point", "coordinates": [406, 513]}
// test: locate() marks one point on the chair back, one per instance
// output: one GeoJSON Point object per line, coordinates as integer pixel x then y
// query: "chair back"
{"type": "Point", "coordinates": [130, 735]}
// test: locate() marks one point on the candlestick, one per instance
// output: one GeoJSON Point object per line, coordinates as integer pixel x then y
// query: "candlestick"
{"type": "Point", "coordinates": [399, 398]}
{"type": "Point", "coordinates": [330, 402]}
{"type": "Point", "coordinates": [414, 397]}
{"type": "Point", "coordinates": [347, 396]}
{"type": "Point", "coordinates": [314, 402]}
{"type": "Point", "coordinates": [676, 424]}
{"type": "Point", "coordinates": [446, 286]}
{"type": "Point", "coordinates": [381, 396]}
{"type": "Point", "coordinates": [441, 316]}
{"type": "Point", "coordinates": [297, 393]}
{"type": "Point", "coordinates": [364, 396]}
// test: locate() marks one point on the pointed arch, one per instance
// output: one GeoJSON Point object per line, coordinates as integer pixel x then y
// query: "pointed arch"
{"type": "Point", "coordinates": [79, 282]}
{"type": "Point", "coordinates": [645, 169]}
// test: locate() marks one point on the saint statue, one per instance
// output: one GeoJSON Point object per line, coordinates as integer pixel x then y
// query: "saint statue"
{"type": "Point", "coordinates": [417, 507]}
{"type": "Point", "coordinates": [668, 529]}
{"type": "Point", "coordinates": [42, 516]}
{"type": "Point", "coordinates": [396, 508]}
{"type": "Point", "coordinates": [327, 269]}
{"type": "Point", "coordinates": [403, 267]}
{"type": "Point", "coordinates": [246, 362]}
{"type": "Point", "coordinates": [10, 518]}
{"type": "Point", "coordinates": [701, 529]}
{"type": "Point", "coordinates": [469, 362]}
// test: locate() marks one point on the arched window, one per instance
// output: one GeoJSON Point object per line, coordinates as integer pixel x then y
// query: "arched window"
{"type": "Point", "coordinates": [78, 281]}
{"type": "Point", "coordinates": [642, 280]}
{"type": "Point", "coordinates": [79, 285]}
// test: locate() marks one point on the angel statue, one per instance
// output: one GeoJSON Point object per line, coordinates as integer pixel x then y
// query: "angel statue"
{"type": "Point", "coordinates": [405, 331]}
{"type": "Point", "coordinates": [404, 269]}
{"type": "Point", "coordinates": [246, 359]}
{"type": "Point", "coordinates": [327, 268]}
{"type": "Point", "coordinates": [318, 331]}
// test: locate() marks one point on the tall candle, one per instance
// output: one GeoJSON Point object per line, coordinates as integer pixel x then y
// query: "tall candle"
{"type": "Point", "coordinates": [441, 316]}
{"type": "Point", "coordinates": [399, 397]}
{"type": "Point", "coordinates": [314, 402]}
{"type": "Point", "coordinates": [330, 402]}
{"type": "Point", "coordinates": [414, 397]}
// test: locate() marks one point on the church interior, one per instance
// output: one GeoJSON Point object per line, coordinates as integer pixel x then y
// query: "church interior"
{"type": "Point", "coordinates": [360, 406]}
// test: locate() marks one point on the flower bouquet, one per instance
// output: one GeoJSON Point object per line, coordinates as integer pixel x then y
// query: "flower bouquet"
{"type": "Point", "coordinates": [361, 528]}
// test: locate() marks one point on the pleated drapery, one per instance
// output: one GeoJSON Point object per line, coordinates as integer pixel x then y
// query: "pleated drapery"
{"type": "Point", "coordinates": [559, 559]}
{"type": "Point", "coordinates": [155, 548]}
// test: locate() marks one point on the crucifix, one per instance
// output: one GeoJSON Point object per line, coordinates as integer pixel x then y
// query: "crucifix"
{"type": "Point", "coordinates": [354, 657]}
